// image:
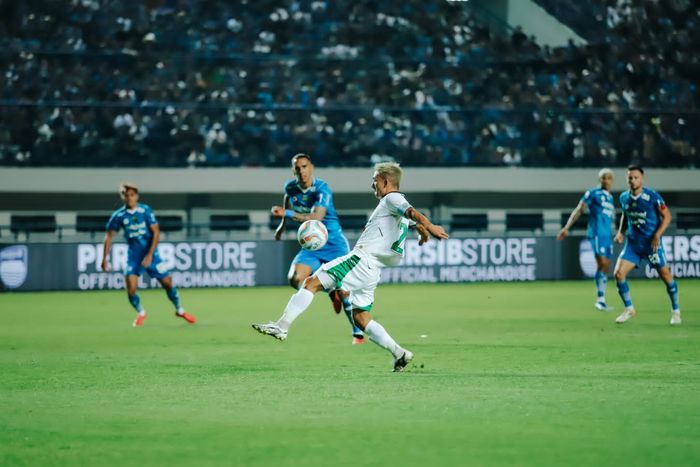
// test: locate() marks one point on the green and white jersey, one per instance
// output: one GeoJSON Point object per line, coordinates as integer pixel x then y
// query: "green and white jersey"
{"type": "Point", "coordinates": [385, 233]}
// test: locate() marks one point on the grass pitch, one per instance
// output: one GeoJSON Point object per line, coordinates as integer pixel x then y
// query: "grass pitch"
{"type": "Point", "coordinates": [504, 374]}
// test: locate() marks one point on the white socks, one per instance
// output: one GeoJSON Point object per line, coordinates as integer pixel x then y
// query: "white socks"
{"type": "Point", "coordinates": [379, 336]}
{"type": "Point", "coordinates": [299, 302]}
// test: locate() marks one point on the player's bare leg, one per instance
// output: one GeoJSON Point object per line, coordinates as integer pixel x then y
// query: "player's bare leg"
{"type": "Point", "coordinates": [379, 336]}
{"type": "Point", "coordinates": [622, 269]}
{"type": "Point", "coordinates": [131, 283]}
{"type": "Point", "coordinates": [601, 281]}
{"type": "Point", "coordinates": [672, 290]}
{"type": "Point", "coordinates": [174, 297]}
{"type": "Point", "coordinates": [297, 304]}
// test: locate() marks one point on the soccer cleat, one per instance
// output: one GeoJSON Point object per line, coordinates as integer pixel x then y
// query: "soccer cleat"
{"type": "Point", "coordinates": [337, 300]}
{"type": "Point", "coordinates": [675, 319]}
{"type": "Point", "coordinates": [271, 329]}
{"type": "Point", "coordinates": [138, 322]}
{"type": "Point", "coordinates": [626, 315]}
{"type": "Point", "coordinates": [401, 362]}
{"type": "Point", "coordinates": [187, 317]}
{"type": "Point", "coordinates": [602, 306]}
{"type": "Point", "coordinates": [358, 339]}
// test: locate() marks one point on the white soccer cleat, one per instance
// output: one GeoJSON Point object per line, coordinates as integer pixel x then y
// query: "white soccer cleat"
{"type": "Point", "coordinates": [626, 315]}
{"type": "Point", "coordinates": [403, 361]}
{"type": "Point", "coordinates": [602, 306]}
{"type": "Point", "coordinates": [271, 329]}
{"type": "Point", "coordinates": [675, 319]}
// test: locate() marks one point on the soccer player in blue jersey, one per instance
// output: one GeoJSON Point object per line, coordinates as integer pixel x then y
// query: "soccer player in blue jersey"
{"type": "Point", "coordinates": [142, 234]}
{"type": "Point", "coordinates": [647, 218]}
{"type": "Point", "coordinates": [307, 197]}
{"type": "Point", "coordinates": [601, 209]}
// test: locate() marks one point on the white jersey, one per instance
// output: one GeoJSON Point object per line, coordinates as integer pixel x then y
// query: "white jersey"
{"type": "Point", "coordinates": [385, 234]}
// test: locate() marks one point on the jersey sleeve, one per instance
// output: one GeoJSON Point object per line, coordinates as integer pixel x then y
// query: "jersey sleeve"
{"type": "Point", "coordinates": [150, 217]}
{"type": "Point", "coordinates": [587, 198]}
{"type": "Point", "coordinates": [113, 222]}
{"type": "Point", "coordinates": [658, 201]}
{"type": "Point", "coordinates": [397, 204]}
{"type": "Point", "coordinates": [325, 197]}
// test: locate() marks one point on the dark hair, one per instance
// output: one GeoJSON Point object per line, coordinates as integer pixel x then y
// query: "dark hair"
{"type": "Point", "coordinates": [301, 155]}
{"type": "Point", "coordinates": [635, 167]}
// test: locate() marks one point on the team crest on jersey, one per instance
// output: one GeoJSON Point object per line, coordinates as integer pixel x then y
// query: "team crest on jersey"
{"type": "Point", "coordinates": [125, 221]}
{"type": "Point", "coordinates": [14, 264]}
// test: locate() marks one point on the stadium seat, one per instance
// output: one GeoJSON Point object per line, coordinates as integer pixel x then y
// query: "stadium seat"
{"type": "Point", "coordinates": [170, 223]}
{"type": "Point", "coordinates": [353, 221]}
{"type": "Point", "coordinates": [27, 224]}
{"type": "Point", "coordinates": [532, 221]}
{"type": "Point", "coordinates": [580, 224]}
{"type": "Point", "coordinates": [229, 222]}
{"type": "Point", "coordinates": [688, 220]}
{"type": "Point", "coordinates": [476, 222]}
{"type": "Point", "coordinates": [90, 224]}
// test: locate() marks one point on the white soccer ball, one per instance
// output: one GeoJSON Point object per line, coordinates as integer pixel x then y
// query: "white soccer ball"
{"type": "Point", "coordinates": [312, 235]}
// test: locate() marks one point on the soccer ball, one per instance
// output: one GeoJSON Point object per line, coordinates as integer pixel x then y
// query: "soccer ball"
{"type": "Point", "coordinates": [312, 235]}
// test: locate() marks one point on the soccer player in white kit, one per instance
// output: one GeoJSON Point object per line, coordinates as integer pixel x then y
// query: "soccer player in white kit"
{"type": "Point", "coordinates": [380, 245]}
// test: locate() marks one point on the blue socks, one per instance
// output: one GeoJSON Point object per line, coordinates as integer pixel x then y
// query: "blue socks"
{"type": "Point", "coordinates": [672, 290]}
{"type": "Point", "coordinates": [601, 281]}
{"type": "Point", "coordinates": [624, 290]}
{"type": "Point", "coordinates": [174, 297]}
{"type": "Point", "coordinates": [347, 306]}
{"type": "Point", "coordinates": [135, 301]}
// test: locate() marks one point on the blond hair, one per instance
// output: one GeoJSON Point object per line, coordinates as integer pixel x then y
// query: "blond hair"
{"type": "Point", "coordinates": [390, 171]}
{"type": "Point", "coordinates": [124, 186]}
{"type": "Point", "coordinates": [604, 172]}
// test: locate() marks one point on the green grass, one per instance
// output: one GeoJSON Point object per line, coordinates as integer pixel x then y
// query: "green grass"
{"type": "Point", "coordinates": [509, 374]}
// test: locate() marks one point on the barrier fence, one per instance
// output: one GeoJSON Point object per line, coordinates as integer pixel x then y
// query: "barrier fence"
{"type": "Point", "coordinates": [76, 266]}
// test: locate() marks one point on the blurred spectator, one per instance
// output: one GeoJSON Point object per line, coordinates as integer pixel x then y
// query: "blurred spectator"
{"type": "Point", "coordinates": [185, 82]}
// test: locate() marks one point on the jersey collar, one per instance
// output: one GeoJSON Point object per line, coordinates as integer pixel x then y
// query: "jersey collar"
{"type": "Point", "coordinates": [304, 190]}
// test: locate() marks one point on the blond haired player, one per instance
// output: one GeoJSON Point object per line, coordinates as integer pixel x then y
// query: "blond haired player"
{"type": "Point", "coordinates": [380, 245]}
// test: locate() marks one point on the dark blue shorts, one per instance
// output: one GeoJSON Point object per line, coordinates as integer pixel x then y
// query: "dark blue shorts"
{"type": "Point", "coordinates": [336, 247]}
{"type": "Point", "coordinates": [636, 252]}
{"type": "Point", "coordinates": [156, 270]}
{"type": "Point", "coordinates": [602, 246]}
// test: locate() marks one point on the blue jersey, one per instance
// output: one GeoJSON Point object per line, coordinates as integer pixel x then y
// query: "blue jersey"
{"type": "Point", "coordinates": [642, 213]}
{"type": "Point", "coordinates": [601, 210]}
{"type": "Point", "coordinates": [136, 224]}
{"type": "Point", "coordinates": [318, 194]}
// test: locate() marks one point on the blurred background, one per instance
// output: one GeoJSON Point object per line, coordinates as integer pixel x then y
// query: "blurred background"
{"type": "Point", "coordinates": [501, 111]}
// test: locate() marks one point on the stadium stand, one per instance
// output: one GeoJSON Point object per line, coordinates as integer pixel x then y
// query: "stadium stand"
{"type": "Point", "coordinates": [188, 83]}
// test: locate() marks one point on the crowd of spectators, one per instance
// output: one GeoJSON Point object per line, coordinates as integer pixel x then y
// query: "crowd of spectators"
{"type": "Point", "coordinates": [216, 83]}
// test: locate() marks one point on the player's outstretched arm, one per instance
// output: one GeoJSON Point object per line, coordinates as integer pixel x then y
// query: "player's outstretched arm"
{"type": "Point", "coordinates": [155, 229]}
{"type": "Point", "coordinates": [620, 235]}
{"type": "Point", "coordinates": [666, 217]}
{"type": "Point", "coordinates": [279, 211]}
{"type": "Point", "coordinates": [573, 217]}
{"type": "Point", "coordinates": [318, 213]}
{"type": "Point", "coordinates": [425, 228]}
{"type": "Point", "coordinates": [106, 247]}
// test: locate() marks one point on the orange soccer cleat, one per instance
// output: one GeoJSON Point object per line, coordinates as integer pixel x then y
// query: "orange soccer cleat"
{"type": "Point", "coordinates": [138, 322]}
{"type": "Point", "coordinates": [187, 317]}
{"type": "Point", "coordinates": [357, 340]}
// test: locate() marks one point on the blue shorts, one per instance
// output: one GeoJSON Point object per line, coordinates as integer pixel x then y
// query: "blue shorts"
{"type": "Point", "coordinates": [156, 270]}
{"type": "Point", "coordinates": [602, 246]}
{"type": "Point", "coordinates": [336, 247]}
{"type": "Point", "coordinates": [635, 253]}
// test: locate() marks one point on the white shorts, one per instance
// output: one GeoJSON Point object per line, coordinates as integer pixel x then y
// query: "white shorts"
{"type": "Point", "coordinates": [356, 273]}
